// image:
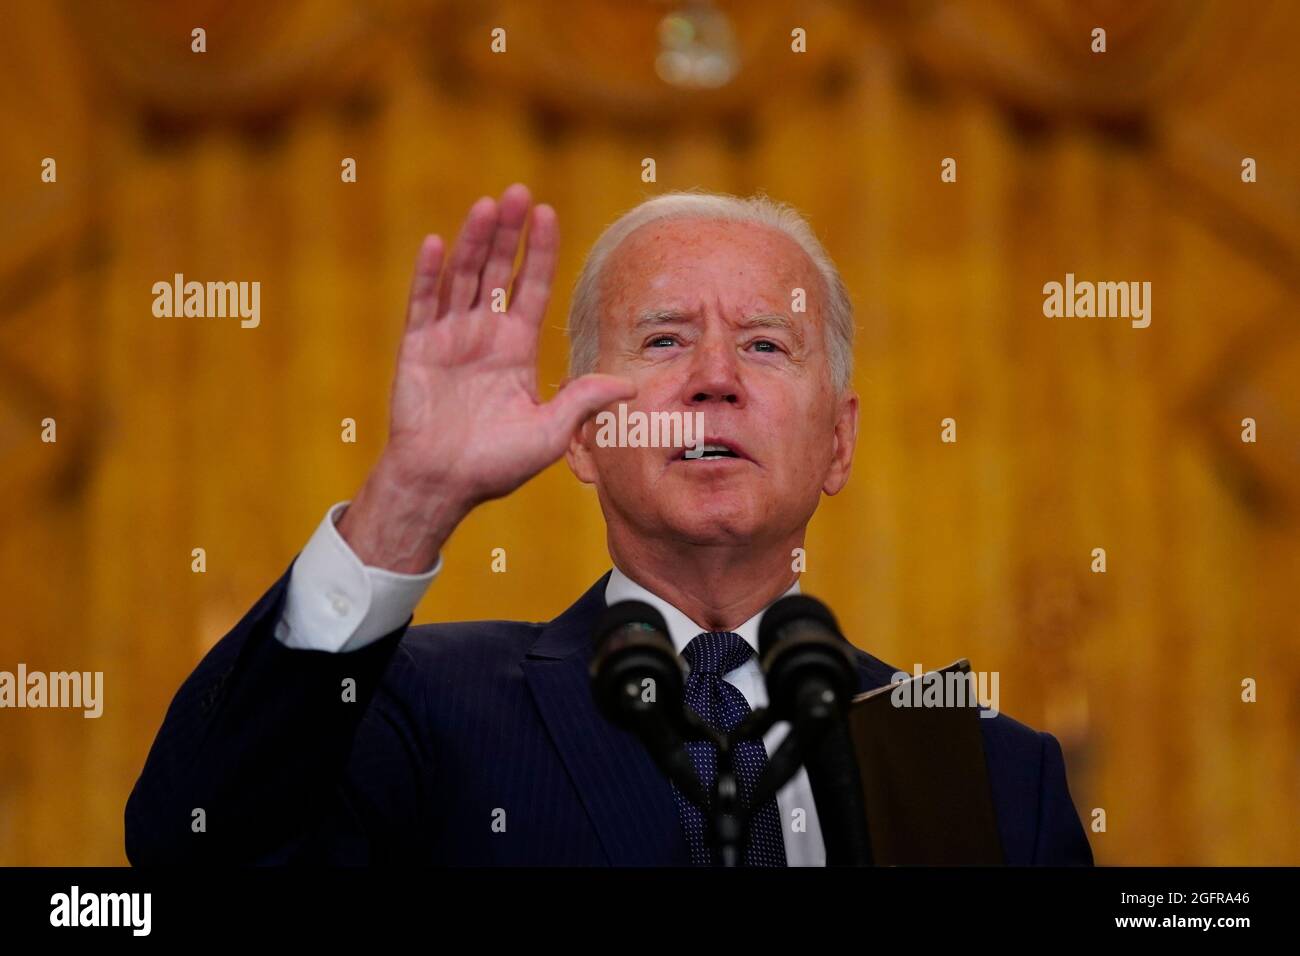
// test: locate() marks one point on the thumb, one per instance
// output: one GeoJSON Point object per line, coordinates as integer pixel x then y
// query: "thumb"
{"type": "Point", "coordinates": [583, 397]}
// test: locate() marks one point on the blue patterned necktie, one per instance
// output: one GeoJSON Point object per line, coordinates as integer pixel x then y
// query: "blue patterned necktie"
{"type": "Point", "coordinates": [710, 656]}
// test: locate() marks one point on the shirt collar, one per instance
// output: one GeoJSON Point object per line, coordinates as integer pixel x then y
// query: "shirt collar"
{"type": "Point", "coordinates": [681, 629]}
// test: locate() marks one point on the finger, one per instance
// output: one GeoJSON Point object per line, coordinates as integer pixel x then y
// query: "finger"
{"type": "Point", "coordinates": [460, 283]}
{"type": "Point", "coordinates": [532, 288]}
{"type": "Point", "coordinates": [512, 211]}
{"type": "Point", "coordinates": [422, 306]}
{"type": "Point", "coordinates": [583, 397]}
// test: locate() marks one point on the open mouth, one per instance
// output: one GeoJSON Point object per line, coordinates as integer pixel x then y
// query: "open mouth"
{"type": "Point", "coordinates": [712, 451]}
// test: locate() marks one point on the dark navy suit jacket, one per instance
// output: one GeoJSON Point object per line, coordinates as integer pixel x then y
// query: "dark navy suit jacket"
{"type": "Point", "coordinates": [466, 743]}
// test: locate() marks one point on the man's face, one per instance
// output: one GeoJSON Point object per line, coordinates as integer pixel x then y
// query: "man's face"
{"type": "Point", "coordinates": [700, 315]}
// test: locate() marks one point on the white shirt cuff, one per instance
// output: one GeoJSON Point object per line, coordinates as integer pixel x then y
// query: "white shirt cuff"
{"type": "Point", "coordinates": [336, 603]}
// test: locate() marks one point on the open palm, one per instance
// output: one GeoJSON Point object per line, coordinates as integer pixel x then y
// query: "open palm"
{"type": "Point", "coordinates": [465, 411]}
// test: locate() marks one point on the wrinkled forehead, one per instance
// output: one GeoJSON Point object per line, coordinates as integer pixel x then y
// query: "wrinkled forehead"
{"type": "Point", "coordinates": [678, 263]}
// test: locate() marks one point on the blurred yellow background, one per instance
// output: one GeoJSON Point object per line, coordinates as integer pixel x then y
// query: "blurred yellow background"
{"type": "Point", "coordinates": [1073, 434]}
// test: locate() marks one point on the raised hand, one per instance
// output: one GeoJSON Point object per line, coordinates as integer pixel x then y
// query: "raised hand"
{"type": "Point", "coordinates": [466, 423]}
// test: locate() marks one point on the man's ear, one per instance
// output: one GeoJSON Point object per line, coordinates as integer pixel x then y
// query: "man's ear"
{"type": "Point", "coordinates": [845, 439]}
{"type": "Point", "coordinates": [578, 454]}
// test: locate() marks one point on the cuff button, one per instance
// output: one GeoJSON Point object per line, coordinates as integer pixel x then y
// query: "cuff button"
{"type": "Point", "coordinates": [339, 603]}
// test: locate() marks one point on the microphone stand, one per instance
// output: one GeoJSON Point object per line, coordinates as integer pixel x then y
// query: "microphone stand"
{"type": "Point", "coordinates": [819, 742]}
{"type": "Point", "coordinates": [729, 817]}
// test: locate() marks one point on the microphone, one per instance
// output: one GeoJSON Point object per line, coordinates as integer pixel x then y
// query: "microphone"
{"type": "Point", "coordinates": [639, 685]}
{"type": "Point", "coordinates": [811, 679]}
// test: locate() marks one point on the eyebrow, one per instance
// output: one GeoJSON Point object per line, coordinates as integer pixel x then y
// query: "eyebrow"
{"type": "Point", "coordinates": [653, 317]}
{"type": "Point", "coordinates": [768, 320]}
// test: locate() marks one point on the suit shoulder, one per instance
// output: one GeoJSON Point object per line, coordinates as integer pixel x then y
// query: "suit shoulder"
{"type": "Point", "coordinates": [432, 660]}
{"type": "Point", "coordinates": [468, 640]}
{"type": "Point", "coordinates": [1012, 745]}
{"type": "Point", "coordinates": [1010, 731]}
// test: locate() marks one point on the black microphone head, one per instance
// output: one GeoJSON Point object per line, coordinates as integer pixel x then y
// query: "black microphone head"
{"type": "Point", "coordinates": [794, 607]}
{"type": "Point", "coordinates": [801, 648]}
{"type": "Point", "coordinates": [636, 674]}
{"type": "Point", "coordinates": [635, 613]}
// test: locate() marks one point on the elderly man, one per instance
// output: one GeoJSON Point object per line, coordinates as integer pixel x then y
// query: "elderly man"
{"type": "Point", "coordinates": [324, 727]}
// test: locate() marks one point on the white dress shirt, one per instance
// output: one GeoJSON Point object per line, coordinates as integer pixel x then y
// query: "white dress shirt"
{"type": "Point", "coordinates": [336, 603]}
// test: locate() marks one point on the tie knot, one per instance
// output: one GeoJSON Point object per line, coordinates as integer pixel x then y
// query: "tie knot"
{"type": "Point", "coordinates": [717, 652]}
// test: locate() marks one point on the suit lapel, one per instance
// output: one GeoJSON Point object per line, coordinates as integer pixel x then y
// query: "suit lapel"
{"type": "Point", "coordinates": [628, 799]}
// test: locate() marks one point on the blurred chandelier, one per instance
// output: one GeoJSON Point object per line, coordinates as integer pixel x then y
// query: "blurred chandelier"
{"type": "Point", "coordinates": [697, 48]}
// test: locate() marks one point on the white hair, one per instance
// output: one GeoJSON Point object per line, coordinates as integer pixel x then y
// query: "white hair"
{"type": "Point", "coordinates": [584, 313]}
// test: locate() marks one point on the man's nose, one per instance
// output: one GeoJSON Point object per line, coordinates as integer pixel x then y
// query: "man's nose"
{"type": "Point", "coordinates": [714, 373]}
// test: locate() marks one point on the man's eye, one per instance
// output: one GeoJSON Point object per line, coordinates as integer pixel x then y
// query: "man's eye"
{"type": "Point", "coordinates": [654, 343]}
{"type": "Point", "coordinates": [766, 345]}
